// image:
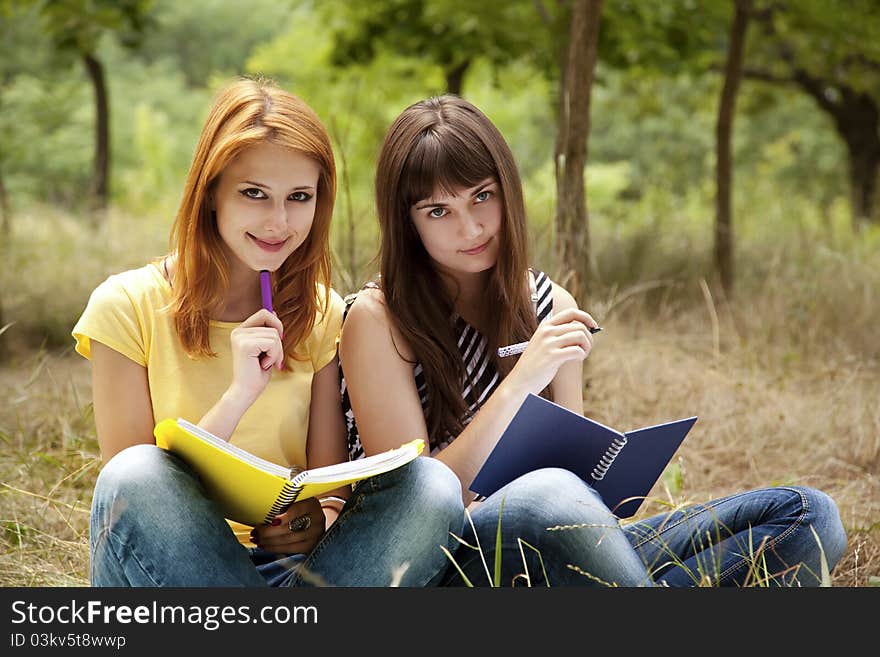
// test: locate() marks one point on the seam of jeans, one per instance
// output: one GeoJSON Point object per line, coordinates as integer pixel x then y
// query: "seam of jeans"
{"type": "Point", "coordinates": [112, 543]}
{"type": "Point", "coordinates": [97, 538]}
{"type": "Point", "coordinates": [704, 507]}
{"type": "Point", "coordinates": [708, 506]}
{"type": "Point", "coordinates": [351, 506]}
{"type": "Point", "coordinates": [805, 508]}
{"type": "Point", "coordinates": [666, 527]}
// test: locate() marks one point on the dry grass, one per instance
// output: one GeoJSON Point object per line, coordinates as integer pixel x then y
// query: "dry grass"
{"type": "Point", "coordinates": [766, 417]}
{"type": "Point", "coordinates": [785, 380]}
{"type": "Point", "coordinates": [49, 464]}
{"type": "Point", "coordinates": [756, 428]}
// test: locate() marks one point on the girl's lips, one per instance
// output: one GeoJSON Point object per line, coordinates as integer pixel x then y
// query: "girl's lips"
{"type": "Point", "coordinates": [272, 247]}
{"type": "Point", "coordinates": [478, 250]}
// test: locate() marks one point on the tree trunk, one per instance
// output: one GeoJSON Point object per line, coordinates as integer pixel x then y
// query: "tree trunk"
{"type": "Point", "coordinates": [724, 160]}
{"type": "Point", "coordinates": [455, 77]}
{"type": "Point", "coordinates": [859, 125]}
{"type": "Point", "coordinates": [572, 219]}
{"type": "Point", "coordinates": [99, 191]}
{"type": "Point", "coordinates": [856, 117]}
{"type": "Point", "coordinates": [864, 167]}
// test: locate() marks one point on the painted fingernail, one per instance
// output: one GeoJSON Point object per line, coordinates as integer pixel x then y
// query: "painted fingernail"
{"type": "Point", "coordinates": [276, 522]}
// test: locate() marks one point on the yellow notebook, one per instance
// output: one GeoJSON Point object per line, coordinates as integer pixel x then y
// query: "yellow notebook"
{"type": "Point", "coordinates": [252, 490]}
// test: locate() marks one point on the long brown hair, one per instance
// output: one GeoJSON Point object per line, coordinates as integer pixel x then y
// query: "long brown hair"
{"type": "Point", "coordinates": [247, 112]}
{"type": "Point", "coordinates": [447, 141]}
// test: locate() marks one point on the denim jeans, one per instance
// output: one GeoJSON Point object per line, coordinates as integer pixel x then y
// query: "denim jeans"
{"type": "Point", "coordinates": [761, 537]}
{"type": "Point", "coordinates": [151, 525]}
{"type": "Point", "coordinates": [555, 528]}
{"type": "Point", "coordinates": [757, 537]}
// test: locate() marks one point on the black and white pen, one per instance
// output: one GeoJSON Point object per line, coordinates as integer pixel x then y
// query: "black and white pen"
{"type": "Point", "coordinates": [519, 347]}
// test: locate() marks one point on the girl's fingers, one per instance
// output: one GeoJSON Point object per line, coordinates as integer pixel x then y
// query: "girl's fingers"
{"type": "Point", "coordinates": [575, 339]}
{"type": "Point", "coordinates": [263, 318]}
{"type": "Point", "coordinates": [258, 333]}
{"type": "Point", "coordinates": [572, 314]}
{"type": "Point", "coordinates": [266, 346]}
{"type": "Point", "coordinates": [291, 542]}
{"type": "Point", "coordinates": [568, 327]}
{"type": "Point", "coordinates": [573, 353]}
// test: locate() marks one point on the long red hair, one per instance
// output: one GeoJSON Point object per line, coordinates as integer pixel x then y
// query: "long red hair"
{"type": "Point", "coordinates": [248, 112]}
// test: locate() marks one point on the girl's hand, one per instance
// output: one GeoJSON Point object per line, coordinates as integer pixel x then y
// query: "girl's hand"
{"type": "Point", "coordinates": [256, 349]}
{"type": "Point", "coordinates": [559, 339]}
{"type": "Point", "coordinates": [283, 535]}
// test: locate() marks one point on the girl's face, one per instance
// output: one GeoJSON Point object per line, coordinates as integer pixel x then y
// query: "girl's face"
{"type": "Point", "coordinates": [460, 231]}
{"type": "Point", "coordinates": [265, 204]}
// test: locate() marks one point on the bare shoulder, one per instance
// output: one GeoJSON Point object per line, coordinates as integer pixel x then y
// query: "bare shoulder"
{"type": "Point", "coordinates": [562, 298]}
{"type": "Point", "coordinates": [368, 316]}
{"type": "Point", "coordinates": [369, 306]}
{"type": "Point", "coordinates": [368, 322]}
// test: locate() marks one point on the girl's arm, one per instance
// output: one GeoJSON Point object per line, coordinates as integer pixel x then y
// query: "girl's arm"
{"type": "Point", "coordinates": [121, 392]}
{"type": "Point", "coordinates": [380, 381]}
{"type": "Point", "coordinates": [568, 384]}
{"type": "Point", "coordinates": [121, 398]}
{"type": "Point", "coordinates": [327, 443]}
{"type": "Point", "coordinates": [385, 401]}
{"type": "Point", "coordinates": [256, 351]}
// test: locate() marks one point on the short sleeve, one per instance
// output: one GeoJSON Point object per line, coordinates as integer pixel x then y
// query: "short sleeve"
{"type": "Point", "coordinates": [111, 318]}
{"type": "Point", "coordinates": [329, 327]}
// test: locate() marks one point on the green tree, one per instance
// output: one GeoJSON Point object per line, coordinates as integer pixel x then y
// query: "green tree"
{"type": "Point", "coordinates": [18, 58]}
{"type": "Point", "coordinates": [76, 28]}
{"type": "Point", "coordinates": [831, 52]}
{"type": "Point", "coordinates": [450, 33]}
{"type": "Point", "coordinates": [723, 129]}
{"type": "Point", "coordinates": [572, 218]}
{"type": "Point", "coordinates": [211, 38]}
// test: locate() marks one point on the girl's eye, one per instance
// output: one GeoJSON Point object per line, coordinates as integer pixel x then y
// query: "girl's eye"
{"type": "Point", "coordinates": [436, 213]}
{"type": "Point", "coordinates": [300, 196]}
{"type": "Point", "coordinates": [253, 192]}
{"type": "Point", "coordinates": [483, 196]}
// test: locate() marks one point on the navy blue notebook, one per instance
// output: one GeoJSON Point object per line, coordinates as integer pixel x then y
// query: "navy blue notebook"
{"type": "Point", "coordinates": [622, 467]}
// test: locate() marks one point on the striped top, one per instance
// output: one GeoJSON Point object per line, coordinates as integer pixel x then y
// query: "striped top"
{"type": "Point", "coordinates": [472, 345]}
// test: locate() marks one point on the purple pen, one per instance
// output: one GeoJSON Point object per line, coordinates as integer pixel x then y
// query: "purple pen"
{"type": "Point", "coordinates": [266, 289]}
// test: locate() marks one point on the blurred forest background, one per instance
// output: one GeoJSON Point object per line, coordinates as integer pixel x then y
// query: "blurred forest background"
{"type": "Point", "coordinates": [703, 173]}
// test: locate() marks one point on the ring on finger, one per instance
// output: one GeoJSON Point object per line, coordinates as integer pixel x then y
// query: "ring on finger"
{"type": "Point", "coordinates": [300, 523]}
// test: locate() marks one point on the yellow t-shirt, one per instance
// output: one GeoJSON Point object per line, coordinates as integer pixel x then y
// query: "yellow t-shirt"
{"type": "Point", "coordinates": [125, 313]}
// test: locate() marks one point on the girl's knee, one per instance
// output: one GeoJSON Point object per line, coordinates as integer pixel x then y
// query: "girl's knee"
{"type": "Point", "coordinates": [133, 469]}
{"type": "Point", "coordinates": [559, 497]}
{"type": "Point", "coordinates": [437, 486]}
{"type": "Point", "coordinates": [551, 485]}
{"type": "Point", "coordinates": [823, 516]}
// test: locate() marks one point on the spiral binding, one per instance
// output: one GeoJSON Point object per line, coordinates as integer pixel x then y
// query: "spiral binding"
{"type": "Point", "coordinates": [607, 459]}
{"type": "Point", "coordinates": [286, 497]}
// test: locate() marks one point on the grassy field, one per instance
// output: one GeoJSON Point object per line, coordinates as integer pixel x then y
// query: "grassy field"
{"type": "Point", "coordinates": [785, 380]}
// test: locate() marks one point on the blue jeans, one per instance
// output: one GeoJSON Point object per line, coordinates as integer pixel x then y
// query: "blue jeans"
{"type": "Point", "coordinates": [756, 537]}
{"type": "Point", "coordinates": [761, 537]}
{"type": "Point", "coordinates": [151, 525]}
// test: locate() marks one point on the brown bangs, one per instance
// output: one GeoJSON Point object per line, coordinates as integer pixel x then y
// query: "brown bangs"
{"type": "Point", "coordinates": [444, 157]}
